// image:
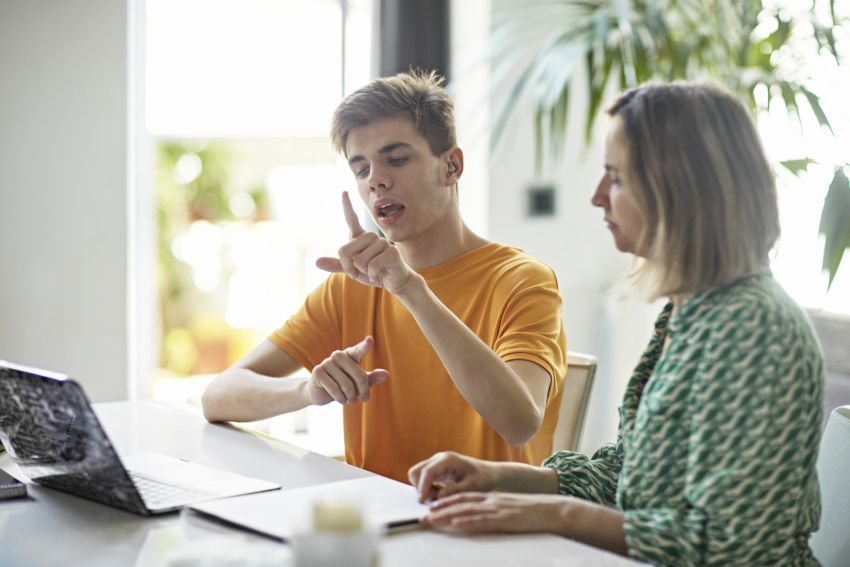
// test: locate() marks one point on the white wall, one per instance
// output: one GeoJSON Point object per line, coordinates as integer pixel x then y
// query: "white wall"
{"type": "Point", "coordinates": [470, 28]}
{"type": "Point", "coordinates": [574, 242]}
{"type": "Point", "coordinates": [599, 316]}
{"type": "Point", "coordinates": [63, 189]}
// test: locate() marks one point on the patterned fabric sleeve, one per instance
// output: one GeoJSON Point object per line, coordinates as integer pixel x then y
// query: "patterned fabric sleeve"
{"type": "Point", "coordinates": [593, 479]}
{"type": "Point", "coordinates": [752, 443]}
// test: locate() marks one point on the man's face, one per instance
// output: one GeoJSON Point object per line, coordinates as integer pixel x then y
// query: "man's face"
{"type": "Point", "coordinates": [399, 179]}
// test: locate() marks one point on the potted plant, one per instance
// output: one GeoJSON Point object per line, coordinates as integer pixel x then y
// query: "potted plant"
{"type": "Point", "coordinates": [735, 42]}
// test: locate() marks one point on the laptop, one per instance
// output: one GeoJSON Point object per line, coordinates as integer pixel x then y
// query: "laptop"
{"type": "Point", "coordinates": [51, 432]}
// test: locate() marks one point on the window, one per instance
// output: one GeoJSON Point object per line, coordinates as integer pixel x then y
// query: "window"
{"type": "Point", "coordinates": [239, 97]}
{"type": "Point", "coordinates": [797, 263]}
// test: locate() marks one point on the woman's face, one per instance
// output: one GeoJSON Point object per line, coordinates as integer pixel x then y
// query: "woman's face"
{"type": "Point", "coordinates": [615, 194]}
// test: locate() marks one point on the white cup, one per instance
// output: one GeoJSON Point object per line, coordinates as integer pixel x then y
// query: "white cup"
{"type": "Point", "coordinates": [338, 535]}
{"type": "Point", "coordinates": [329, 549]}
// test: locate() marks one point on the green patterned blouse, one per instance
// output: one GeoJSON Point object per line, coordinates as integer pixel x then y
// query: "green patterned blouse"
{"type": "Point", "coordinates": [714, 462]}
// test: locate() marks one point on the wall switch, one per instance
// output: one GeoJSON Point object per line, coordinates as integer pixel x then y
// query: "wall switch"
{"type": "Point", "coordinates": [541, 201]}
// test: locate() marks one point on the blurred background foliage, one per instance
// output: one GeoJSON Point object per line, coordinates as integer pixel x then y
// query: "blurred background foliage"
{"type": "Point", "coordinates": [757, 48]}
{"type": "Point", "coordinates": [197, 196]}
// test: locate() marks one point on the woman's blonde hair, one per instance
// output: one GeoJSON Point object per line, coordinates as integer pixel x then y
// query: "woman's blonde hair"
{"type": "Point", "coordinates": [702, 181]}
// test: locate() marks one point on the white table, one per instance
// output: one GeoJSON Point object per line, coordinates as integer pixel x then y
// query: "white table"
{"type": "Point", "coordinates": [53, 528]}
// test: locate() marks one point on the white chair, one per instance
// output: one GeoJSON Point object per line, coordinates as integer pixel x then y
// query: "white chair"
{"type": "Point", "coordinates": [581, 369]}
{"type": "Point", "coordinates": [831, 543]}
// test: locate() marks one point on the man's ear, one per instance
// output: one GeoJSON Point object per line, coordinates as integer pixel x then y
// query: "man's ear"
{"type": "Point", "coordinates": [454, 165]}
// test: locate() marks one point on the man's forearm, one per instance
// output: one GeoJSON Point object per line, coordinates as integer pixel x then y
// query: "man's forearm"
{"type": "Point", "coordinates": [485, 381]}
{"type": "Point", "coordinates": [240, 394]}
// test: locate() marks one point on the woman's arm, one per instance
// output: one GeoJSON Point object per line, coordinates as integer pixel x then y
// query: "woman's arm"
{"type": "Point", "coordinates": [593, 479]}
{"type": "Point", "coordinates": [476, 512]}
{"type": "Point", "coordinates": [449, 473]}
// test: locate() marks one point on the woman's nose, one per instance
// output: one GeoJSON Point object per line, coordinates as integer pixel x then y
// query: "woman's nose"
{"type": "Point", "coordinates": [600, 196]}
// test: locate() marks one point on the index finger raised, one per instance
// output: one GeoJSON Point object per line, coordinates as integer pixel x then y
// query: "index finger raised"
{"type": "Point", "coordinates": [350, 216]}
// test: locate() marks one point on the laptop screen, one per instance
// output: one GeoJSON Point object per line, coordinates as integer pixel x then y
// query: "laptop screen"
{"type": "Point", "coordinates": [51, 432]}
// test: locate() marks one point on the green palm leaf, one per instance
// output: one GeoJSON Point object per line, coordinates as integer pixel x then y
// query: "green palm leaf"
{"type": "Point", "coordinates": [538, 45]}
{"type": "Point", "coordinates": [834, 224]}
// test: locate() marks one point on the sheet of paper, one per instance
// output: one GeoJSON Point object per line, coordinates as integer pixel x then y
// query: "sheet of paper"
{"type": "Point", "coordinates": [385, 502]}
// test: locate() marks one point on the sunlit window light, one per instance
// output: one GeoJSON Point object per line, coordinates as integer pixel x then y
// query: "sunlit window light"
{"type": "Point", "coordinates": [241, 95]}
{"type": "Point", "coordinates": [798, 256]}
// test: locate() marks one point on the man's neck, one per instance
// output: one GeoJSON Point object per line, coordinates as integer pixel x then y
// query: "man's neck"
{"type": "Point", "coordinates": [432, 250]}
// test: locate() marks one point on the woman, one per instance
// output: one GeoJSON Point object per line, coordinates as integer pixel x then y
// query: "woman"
{"type": "Point", "coordinates": [719, 428]}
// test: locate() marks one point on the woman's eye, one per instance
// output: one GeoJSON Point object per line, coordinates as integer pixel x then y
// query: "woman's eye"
{"type": "Point", "coordinates": [362, 172]}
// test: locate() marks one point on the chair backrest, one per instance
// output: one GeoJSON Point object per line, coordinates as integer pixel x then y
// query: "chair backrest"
{"type": "Point", "coordinates": [831, 543]}
{"type": "Point", "coordinates": [581, 369]}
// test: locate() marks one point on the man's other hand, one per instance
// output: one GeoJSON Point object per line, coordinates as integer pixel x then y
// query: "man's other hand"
{"type": "Point", "coordinates": [340, 376]}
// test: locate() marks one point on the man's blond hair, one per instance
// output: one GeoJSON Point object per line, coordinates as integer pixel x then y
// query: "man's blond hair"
{"type": "Point", "coordinates": [417, 94]}
{"type": "Point", "coordinates": [702, 181]}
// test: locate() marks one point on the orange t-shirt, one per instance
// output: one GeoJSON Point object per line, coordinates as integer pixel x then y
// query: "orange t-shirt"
{"type": "Point", "coordinates": [510, 300]}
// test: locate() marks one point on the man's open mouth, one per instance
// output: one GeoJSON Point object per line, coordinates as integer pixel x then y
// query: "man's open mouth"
{"type": "Point", "coordinates": [389, 210]}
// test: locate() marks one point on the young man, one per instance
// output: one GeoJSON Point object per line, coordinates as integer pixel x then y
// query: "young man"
{"type": "Point", "coordinates": [433, 338]}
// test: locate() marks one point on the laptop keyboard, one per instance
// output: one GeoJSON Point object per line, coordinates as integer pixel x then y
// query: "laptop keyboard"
{"type": "Point", "coordinates": [158, 494]}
